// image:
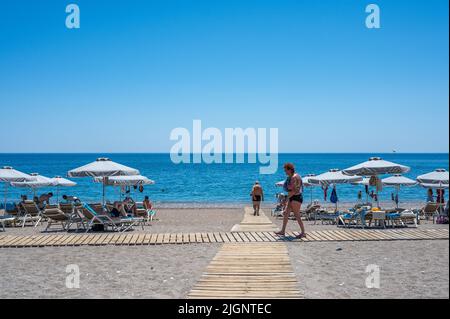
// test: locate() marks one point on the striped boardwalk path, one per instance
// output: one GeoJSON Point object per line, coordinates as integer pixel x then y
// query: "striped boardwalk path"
{"type": "Point", "coordinates": [135, 238]}
{"type": "Point", "coordinates": [252, 270]}
{"type": "Point", "coordinates": [253, 223]}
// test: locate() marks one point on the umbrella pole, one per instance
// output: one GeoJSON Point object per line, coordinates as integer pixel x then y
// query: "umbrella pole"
{"type": "Point", "coordinates": [6, 196]}
{"type": "Point", "coordinates": [103, 191]}
{"type": "Point", "coordinates": [311, 192]}
{"type": "Point", "coordinates": [397, 199]}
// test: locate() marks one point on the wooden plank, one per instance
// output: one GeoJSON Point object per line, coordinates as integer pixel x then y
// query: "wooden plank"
{"type": "Point", "coordinates": [147, 239]}
{"type": "Point", "coordinates": [173, 239]}
{"type": "Point", "coordinates": [186, 238]}
{"type": "Point", "coordinates": [211, 238]}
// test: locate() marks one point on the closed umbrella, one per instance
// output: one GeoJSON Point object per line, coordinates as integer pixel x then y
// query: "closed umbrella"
{"type": "Point", "coordinates": [398, 181]}
{"type": "Point", "coordinates": [376, 166]}
{"type": "Point", "coordinates": [334, 176]}
{"type": "Point", "coordinates": [104, 168]}
{"type": "Point", "coordinates": [8, 175]}
{"type": "Point", "coordinates": [59, 181]}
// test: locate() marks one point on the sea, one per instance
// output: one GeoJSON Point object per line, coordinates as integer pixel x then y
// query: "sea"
{"type": "Point", "coordinates": [211, 185]}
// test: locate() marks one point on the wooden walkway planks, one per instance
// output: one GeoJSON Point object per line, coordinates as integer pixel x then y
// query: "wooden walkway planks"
{"type": "Point", "coordinates": [251, 223]}
{"type": "Point", "coordinates": [132, 239]}
{"type": "Point", "coordinates": [248, 270]}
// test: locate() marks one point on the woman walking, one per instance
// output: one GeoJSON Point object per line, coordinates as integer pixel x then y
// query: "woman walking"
{"type": "Point", "coordinates": [294, 186]}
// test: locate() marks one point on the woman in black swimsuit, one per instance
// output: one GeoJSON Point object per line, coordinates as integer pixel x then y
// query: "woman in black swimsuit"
{"type": "Point", "coordinates": [295, 199]}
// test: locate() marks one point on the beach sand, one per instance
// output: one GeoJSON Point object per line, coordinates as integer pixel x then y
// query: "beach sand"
{"type": "Point", "coordinates": [409, 269]}
{"type": "Point", "coordinates": [168, 271]}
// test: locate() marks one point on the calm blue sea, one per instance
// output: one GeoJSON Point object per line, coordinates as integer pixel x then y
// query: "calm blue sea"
{"type": "Point", "coordinates": [211, 184]}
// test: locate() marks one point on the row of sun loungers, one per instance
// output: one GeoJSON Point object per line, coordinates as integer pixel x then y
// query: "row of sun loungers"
{"type": "Point", "coordinates": [363, 216]}
{"type": "Point", "coordinates": [83, 216]}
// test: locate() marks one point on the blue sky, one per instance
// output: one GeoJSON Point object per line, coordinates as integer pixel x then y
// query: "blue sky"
{"type": "Point", "coordinates": [137, 69]}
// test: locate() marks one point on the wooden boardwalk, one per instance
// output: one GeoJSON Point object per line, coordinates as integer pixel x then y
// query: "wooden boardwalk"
{"type": "Point", "coordinates": [253, 270]}
{"type": "Point", "coordinates": [258, 266]}
{"type": "Point", "coordinates": [136, 238]}
{"type": "Point", "coordinates": [253, 223]}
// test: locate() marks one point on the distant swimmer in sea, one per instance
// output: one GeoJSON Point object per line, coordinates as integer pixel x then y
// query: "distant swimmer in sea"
{"type": "Point", "coordinates": [294, 187]}
{"type": "Point", "coordinates": [257, 195]}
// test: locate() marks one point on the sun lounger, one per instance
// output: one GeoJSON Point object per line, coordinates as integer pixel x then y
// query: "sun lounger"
{"type": "Point", "coordinates": [56, 216]}
{"type": "Point", "coordinates": [147, 214]}
{"type": "Point", "coordinates": [29, 213]}
{"type": "Point", "coordinates": [355, 218]}
{"type": "Point", "coordinates": [408, 216]}
{"type": "Point", "coordinates": [6, 220]}
{"type": "Point", "coordinates": [116, 224]}
{"type": "Point", "coordinates": [429, 210]}
{"type": "Point", "coordinates": [66, 208]}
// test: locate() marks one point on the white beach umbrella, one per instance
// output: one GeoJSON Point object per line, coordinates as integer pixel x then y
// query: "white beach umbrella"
{"type": "Point", "coordinates": [59, 181]}
{"type": "Point", "coordinates": [8, 175]}
{"type": "Point", "coordinates": [364, 182]}
{"type": "Point", "coordinates": [376, 166]}
{"type": "Point", "coordinates": [439, 176]}
{"type": "Point", "coordinates": [334, 176]}
{"type": "Point", "coordinates": [103, 167]}
{"type": "Point", "coordinates": [398, 181]}
{"type": "Point", "coordinates": [305, 180]}
{"type": "Point", "coordinates": [279, 184]}
{"type": "Point", "coordinates": [38, 182]}
{"type": "Point", "coordinates": [307, 183]}
{"type": "Point", "coordinates": [434, 186]}
{"type": "Point", "coordinates": [133, 180]}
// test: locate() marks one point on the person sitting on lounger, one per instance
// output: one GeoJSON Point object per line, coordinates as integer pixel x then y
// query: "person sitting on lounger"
{"type": "Point", "coordinates": [147, 203]}
{"type": "Point", "coordinates": [130, 206]}
{"type": "Point", "coordinates": [257, 196]}
{"type": "Point", "coordinates": [118, 210]}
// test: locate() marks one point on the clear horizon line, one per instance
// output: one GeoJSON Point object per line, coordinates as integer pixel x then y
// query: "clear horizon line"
{"type": "Point", "coordinates": [246, 153]}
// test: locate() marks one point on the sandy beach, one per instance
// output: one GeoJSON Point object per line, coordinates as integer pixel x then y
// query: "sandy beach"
{"type": "Point", "coordinates": [409, 269]}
